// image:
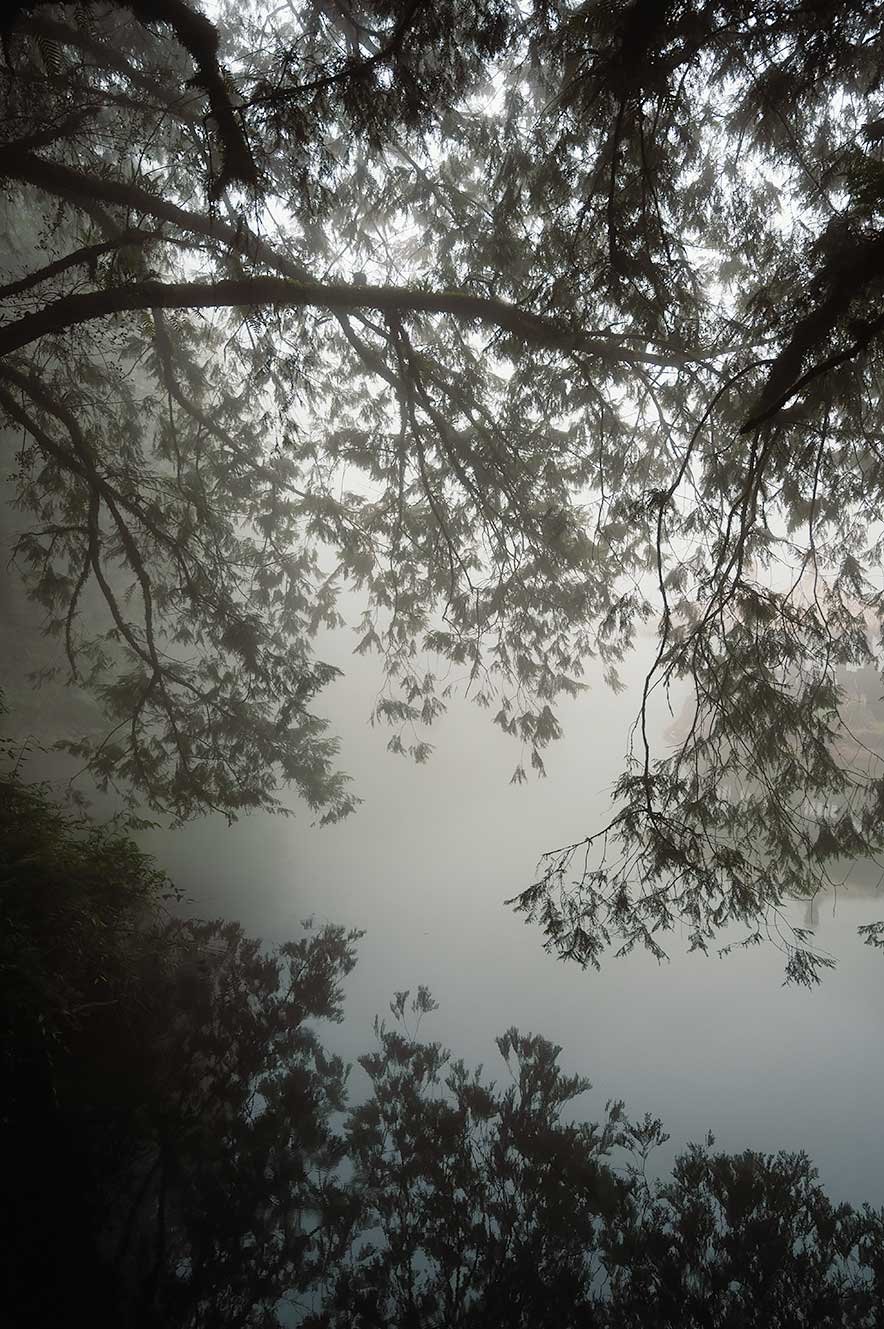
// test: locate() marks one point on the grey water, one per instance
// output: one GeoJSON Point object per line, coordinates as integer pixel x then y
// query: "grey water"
{"type": "Point", "coordinates": [424, 867]}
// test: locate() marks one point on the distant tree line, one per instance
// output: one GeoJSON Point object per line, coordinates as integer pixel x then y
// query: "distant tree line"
{"type": "Point", "coordinates": [178, 1148]}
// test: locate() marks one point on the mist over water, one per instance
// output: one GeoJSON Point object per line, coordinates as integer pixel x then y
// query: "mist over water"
{"type": "Point", "coordinates": [517, 339]}
{"type": "Point", "coordinates": [424, 867]}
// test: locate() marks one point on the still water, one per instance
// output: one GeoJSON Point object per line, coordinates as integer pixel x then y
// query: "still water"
{"type": "Point", "coordinates": [424, 867]}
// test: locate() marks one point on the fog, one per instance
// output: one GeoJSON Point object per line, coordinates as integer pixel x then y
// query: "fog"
{"type": "Point", "coordinates": [367, 370]}
{"type": "Point", "coordinates": [424, 868]}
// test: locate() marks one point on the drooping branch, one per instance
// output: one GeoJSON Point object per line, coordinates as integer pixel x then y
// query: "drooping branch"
{"type": "Point", "coordinates": [86, 190]}
{"type": "Point", "coordinates": [109, 57]}
{"type": "Point", "coordinates": [171, 688]}
{"type": "Point", "coordinates": [846, 277]}
{"type": "Point", "coordinates": [203, 419]}
{"type": "Point", "coordinates": [869, 332]}
{"type": "Point", "coordinates": [355, 68]}
{"type": "Point", "coordinates": [100, 491]}
{"type": "Point", "coordinates": [79, 463]}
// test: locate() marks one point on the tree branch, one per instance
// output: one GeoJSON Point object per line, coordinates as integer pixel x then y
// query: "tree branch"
{"type": "Point", "coordinates": [761, 417]}
{"type": "Point", "coordinates": [109, 58]}
{"type": "Point", "coordinates": [855, 265]}
{"type": "Point", "coordinates": [64, 128]}
{"type": "Point", "coordinates": [354, 68]}
{"type": "Point", "coordinates": [199, 37]}
{"type": "Point", "coordinates": [86, 255]}
{"type": "Point", "coordinates": [86, 190]}
{"type": "Point", "coordinates": [74, 463]}
{"type": "Point", "coordinates": [275, 292]}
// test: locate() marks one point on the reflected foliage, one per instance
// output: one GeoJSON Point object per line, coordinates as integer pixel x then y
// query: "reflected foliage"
{"type": "Point", "coordinates": [178, 1148]}
{"type": "Point", "coordinates": [747, 1239]}
{"type": "Point", "coordinates": [483, 1204]}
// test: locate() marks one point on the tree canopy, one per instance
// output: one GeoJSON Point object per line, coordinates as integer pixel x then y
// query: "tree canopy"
{"type": "Point", "coordinates": [534, 325]}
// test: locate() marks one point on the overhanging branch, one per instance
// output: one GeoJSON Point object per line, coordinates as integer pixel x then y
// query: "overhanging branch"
{"type": "Point", "coordinates": [199, 37]}
{"type": "Point", "coordinates": [86, 190]}
{"type": "Point", "coordinates": [278, 293]}
{"type": "Point", "coordinates": [853, 270]}
{"type": "Point", "coordinates": [86, 256]}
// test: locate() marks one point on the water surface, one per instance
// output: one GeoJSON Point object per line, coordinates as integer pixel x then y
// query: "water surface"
{"type": "Point", "coordinates": [424, 867]}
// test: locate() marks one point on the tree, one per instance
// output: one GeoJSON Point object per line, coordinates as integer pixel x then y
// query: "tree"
{"type": "Point", "coordinates": [486, 1207]}
{"type": "Point", "coordinates": [168, 1147]}
{"type": "Point", "coordinates": [742, 1239]}
{"type": "Point", "coordinates": [603, 285]}
{"type": "Point", "coordinates": [483, 1204]}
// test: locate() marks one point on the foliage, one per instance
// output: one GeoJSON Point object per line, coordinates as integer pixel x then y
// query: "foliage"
{"type": "Point", "coordinates": [168, 1151]}
{"type": "Point", "coordinates": [746, 1239]}
{"type": "Point", "coordinates": [244, 1155]}
{"type": "Point", "coordinates": [482, 1205]}
{"type": "Point", "coordinates": [75, 903]}
{"type": "Point", "coordinates": [178, 1150]}
{"type": "Point", "coordinates": [487, 1207]}
{"type": "Point", "coordinates": [532, 324]}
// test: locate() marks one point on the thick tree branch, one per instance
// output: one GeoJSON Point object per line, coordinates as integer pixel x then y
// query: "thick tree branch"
{"type": "Point", "coordinates": [276, 292]}
{"type": "Point", "coordinates": [870, 332]}
{"type": "Point", "coordinates": [847, 276]}
{"type": "Point", "coordinates": [109, 57]}
{"type": "Point", "coordinates": [89, 191]}
{"type": "Point", "coordinates": [86, 190]}
{"type": "Point", "coordinates": [65, 128]}
{"type": "Point", "coordinates": [199, 37]}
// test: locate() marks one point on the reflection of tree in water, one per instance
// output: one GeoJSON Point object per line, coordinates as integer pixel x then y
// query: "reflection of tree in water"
{"type": "Point", "coordinates": [178, 1149]}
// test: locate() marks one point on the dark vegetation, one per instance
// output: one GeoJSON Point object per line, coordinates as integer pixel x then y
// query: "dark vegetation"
{"type": "Point", "coordinates": [534, 325]}
{"type": "Point", "coordinates": [178, 1148]}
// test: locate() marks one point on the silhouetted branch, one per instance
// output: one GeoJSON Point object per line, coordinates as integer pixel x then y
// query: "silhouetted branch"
{"type": "Point", "coordinates": [353, 68]}
{"type": "Point", "coordinates": [274, 292]}
{"type": "Point", "coordinates": [846, 276]}
{"type": "Point", "coordinates": [86, 256]}
{"type": "Point", "coordinates": [199, 37]}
